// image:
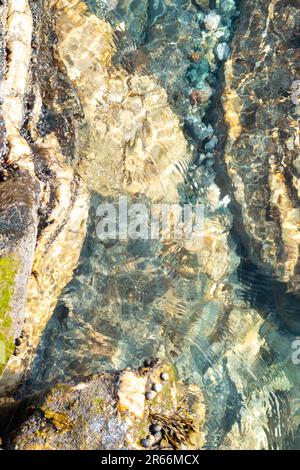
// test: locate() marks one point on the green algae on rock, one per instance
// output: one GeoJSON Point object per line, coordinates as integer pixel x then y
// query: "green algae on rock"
{"type": "Point", "coordinates": [18, 229]}
{"type": "Point", "coordinates": [8, 270]}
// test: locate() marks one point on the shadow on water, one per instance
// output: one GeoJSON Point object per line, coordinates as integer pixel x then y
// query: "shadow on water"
{"type": "Point", "coordinates": [265, 294]}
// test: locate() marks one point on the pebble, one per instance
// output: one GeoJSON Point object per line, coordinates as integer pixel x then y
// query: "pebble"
{"type": "Point", "coordinates": [197, 129]}
{"type": "Point", "coordinates": [296, 92]}
{"type": "Point", "coordinates": [212, 143]}
{"type": "Point", "coordinates": [200, 96]}
{"type": "Point", "coordinates": [18, 342]}
{"type": "Point", "coordinates": [219, 34]}
{"type": "Point", "coordinates": [296, 98]}
{"type": "Point", "coordinates": [157, 387]}
{"type": "Point", "coordinates": [164, 376]}
{"type": "Point", "coordinates": [222, 51]}
{"type": "Point", "coordinates": [212, 21]}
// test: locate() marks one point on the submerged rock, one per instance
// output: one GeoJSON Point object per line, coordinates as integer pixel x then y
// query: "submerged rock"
{"type": "Point", "coordinates": [263, 135]}
{"type": "Point", "coordinates": [131, 142]}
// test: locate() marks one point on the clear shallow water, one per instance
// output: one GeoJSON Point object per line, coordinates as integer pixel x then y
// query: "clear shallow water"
{"type": "Point", "coordinates": [132, 300]}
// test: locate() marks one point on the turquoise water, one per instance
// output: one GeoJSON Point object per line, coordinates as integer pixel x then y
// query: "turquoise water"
{"type": "Point", "coordinates": [131, 300]}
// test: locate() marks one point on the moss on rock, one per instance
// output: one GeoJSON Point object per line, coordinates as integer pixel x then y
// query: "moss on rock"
{"type": "Point", "coordinates": [8, 270]}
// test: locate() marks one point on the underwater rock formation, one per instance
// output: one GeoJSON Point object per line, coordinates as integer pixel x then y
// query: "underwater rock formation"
{"type": "Point", "coordinates": [131, 141]}
{"type": "Point", "coordinates": [261, 104]}
{"type": "Point", "coordinates": [111, 411]}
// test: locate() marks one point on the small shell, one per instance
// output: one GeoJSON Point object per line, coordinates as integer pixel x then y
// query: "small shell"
{"type": "Point", "coordinates": [149, 362]}
{"type": "Point", "coordinates": [145, 443]}
{"type": "Point", "coordinates": [157, 387]}
{"type": "Point", "coordinates": [149, 395]}
{"type": "Point", "coordinates": [155, 428]}
{"type": "Point", "coordinates": [164, 376]}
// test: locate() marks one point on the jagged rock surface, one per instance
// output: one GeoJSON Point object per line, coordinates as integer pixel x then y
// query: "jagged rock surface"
{"type": "Point", "coordinates": [110, 411]}
{"type": "Point", "coordinates": [43, 203]}
{"type": "Point", "coordinates": [19, 189]}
